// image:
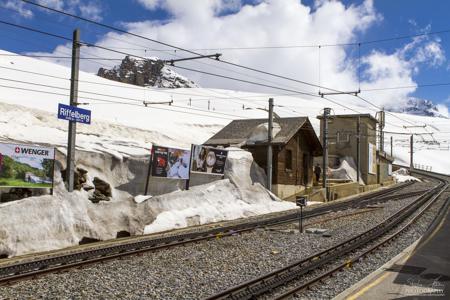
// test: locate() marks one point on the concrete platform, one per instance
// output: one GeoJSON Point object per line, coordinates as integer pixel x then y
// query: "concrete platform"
{"type": "Point", "coordinates": [421, 271]}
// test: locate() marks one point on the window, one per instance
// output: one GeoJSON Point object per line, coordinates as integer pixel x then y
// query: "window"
{"type": "Point", "coordinates": [288, 161]}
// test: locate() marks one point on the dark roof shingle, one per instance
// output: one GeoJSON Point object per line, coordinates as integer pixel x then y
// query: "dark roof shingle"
{"type": "Point", "coordinates": [238, 131]}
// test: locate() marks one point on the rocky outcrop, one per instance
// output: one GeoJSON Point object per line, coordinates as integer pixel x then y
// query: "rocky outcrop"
{"type": "Point", "coordinates": [102, 191]}
{"type": "Point", "coordinates": [80, 178]}
{"type": "Point", "coordinates": [149, 72]}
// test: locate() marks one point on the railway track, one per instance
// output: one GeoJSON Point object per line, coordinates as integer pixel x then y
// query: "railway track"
{"type": "Point", "coordinates": [37, 267]}
{"type": "Point", "coordinates": [314, 263]}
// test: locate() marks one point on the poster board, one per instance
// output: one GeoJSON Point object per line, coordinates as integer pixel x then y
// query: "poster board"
{"type": "Point", "coordinates": [208, 160]}
{"type": "Point", "coordinates": [389, 169]}
{"type": "Point", "coordinates": [172, 163]}
{"type": "Point", "coordinates": [26, 166]}
{"type": "Point", "coordinates": [372, 159]}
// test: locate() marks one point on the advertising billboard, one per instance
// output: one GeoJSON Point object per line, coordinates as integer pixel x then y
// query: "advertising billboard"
{"type": "Point", "coordinates": [372, 159]}
{"type": "Point", "coordinates": [208, 160]}
{"type": "Point", "coordinates": [170, 162]}
{"type": "Point", "coordinates": [26, 166]}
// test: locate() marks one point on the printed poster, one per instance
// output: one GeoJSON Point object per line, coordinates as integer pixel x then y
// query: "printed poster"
{"type": "Point", "coordinates": [208, 160]}
{"type": "Point", "coordinates": [170, 163]}
{"type": "Point", "coordinates": [26, 166]}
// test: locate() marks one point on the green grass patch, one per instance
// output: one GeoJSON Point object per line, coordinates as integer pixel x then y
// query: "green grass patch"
{"type": "Point", "coordinates": [8, 182]}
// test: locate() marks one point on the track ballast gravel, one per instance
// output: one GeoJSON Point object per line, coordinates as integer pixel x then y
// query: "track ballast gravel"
{"type": "Point", "coordinates": [198, 270]}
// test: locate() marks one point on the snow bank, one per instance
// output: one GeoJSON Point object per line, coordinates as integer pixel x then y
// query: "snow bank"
{"type": "Point", "coordinates": [347, 170]}
{"type": "Point", "coordinates": [61, 220]}
{"type": "Point", "coordinates": [402, 175]}
{"type": "Point", "coordinates": [209, 203]}
{"type": "Point", "coordinates": [240, 195]}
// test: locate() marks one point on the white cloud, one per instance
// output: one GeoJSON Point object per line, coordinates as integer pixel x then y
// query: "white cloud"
{"type": "Point", "coordinates": [56, 4]}
{"type": "Point", "coordinates": [149, 4]}
{"type": "Point", "coordinates": [225, 23]}
{"type": "Point", "coordinates": [19, 7]}
{"type": "Point", "coordinates": [179, 8]}
{"type": "Point", "coordinates": [91, 11]}
{"type": "Point", "coordinates": [88, 9]}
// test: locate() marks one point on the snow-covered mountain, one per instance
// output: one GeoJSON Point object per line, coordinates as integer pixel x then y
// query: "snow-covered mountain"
{"type": "Point", "coordinates": [420, 107]}
{"type": "Point", "coordinates": [151, 72]}
{"type": "Point", "coordinates": [25, 81]}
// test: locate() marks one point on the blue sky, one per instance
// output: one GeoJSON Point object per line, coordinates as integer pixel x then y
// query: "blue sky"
{"type": "Point", "coordinates": [393, 18]}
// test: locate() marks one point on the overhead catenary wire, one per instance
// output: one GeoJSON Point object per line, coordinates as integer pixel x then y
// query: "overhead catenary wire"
{"type": "Point", "coordinates": [223, 61]}
{"type": "Point", "coordinates": [395, 38]}
{"type": "Point", "coordinates": [203, 72]}
{"type": "Point", "coordinates": [208, 73]}
{"type": "Point", "coordinates": [107, 95]}
{"type": "Point", "coordinates": [188, 69]}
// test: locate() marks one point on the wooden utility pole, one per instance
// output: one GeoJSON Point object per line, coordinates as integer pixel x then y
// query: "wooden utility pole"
{"type": "Point", "coordinates": [269, 146]}
{"type": "Point", "coordinates": [73, 102]}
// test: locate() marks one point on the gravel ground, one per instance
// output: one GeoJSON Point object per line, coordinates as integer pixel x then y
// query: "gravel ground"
{"type": "Point", "coordinates": [197, 270]}
{"type": "Point", "coordinates": [332, 286]}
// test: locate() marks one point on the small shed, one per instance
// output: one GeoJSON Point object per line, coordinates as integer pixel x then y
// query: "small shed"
{"type": "Point", "coordinates": [295, 143]}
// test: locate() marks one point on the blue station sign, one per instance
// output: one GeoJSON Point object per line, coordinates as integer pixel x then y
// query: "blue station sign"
{"type": "Point", "coordinates": [73, 113]}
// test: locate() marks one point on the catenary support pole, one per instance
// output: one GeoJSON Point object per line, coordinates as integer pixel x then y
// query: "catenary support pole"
{"type": "Point", "coordinates": [73, 102]}
{"type": "Point", "coordinates": [411, 154]}
{"type": "Point", "coordinates": [269, 146]}
{"type": "Point", "coordinates": [358, 149]}
{"type": "Point", "coordinates": [326, 112]}
{"type": "Point", "coordinates": [381, 124]}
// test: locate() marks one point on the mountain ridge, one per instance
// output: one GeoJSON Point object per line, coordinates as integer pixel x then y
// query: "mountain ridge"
{"type": "Point", "coordinates": [151, 72]}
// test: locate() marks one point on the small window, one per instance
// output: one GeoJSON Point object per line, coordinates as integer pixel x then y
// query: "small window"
{"type": "Point", "coordinates": [288, 160]}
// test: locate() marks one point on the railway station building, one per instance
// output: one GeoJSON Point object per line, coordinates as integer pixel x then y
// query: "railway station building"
{"type": "Point", "coordinates": [375, 165]}
{"type": "Point", "coordinates": [295, 144]}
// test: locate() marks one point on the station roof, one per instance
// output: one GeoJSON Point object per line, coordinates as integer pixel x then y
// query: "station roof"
{"type": "Point", "coordinates": [238, 132]}
{"type": "Point", "coordinates": [369, 116]}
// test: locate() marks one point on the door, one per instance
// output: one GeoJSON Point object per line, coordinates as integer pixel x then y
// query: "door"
{"type": "Point", "coordinates": [305, 169]}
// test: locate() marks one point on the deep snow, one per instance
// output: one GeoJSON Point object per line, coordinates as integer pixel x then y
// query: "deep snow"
{"type": "Point", "coordinates": [119, 139]}
{"type": "Point", "coordinates": [179, 124]}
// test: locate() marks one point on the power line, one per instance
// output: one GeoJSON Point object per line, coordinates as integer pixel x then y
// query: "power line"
{"type": "Point", "coordinates": [133, 87]}
{"type": "Point", "coordinates": [203, 72]}
{"type": "Point", "coordinates": [165, 44]}
{"type": "Point", "coordinates": [223, 61]}
{"type": "Point", "coordinates": [106, 95]}
{"type": "Point", "coordinates": [326, 98]}
{"type": "Point", "coordinates": [193, 70]}
{"type": "Point", "coordinates": [55, 57]}
{"type": "Point", "coordinates": [420, 85]}
{"type": "Point", "coordinates": [144, 58]}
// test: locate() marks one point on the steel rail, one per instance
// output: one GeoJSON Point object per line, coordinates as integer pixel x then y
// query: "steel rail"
{"type": "Point", "coordinates": [357, 258]}
{"type": "Point", "coordinates": [23, 270]}
{"type": "Point", "coordinates": [270, 281]}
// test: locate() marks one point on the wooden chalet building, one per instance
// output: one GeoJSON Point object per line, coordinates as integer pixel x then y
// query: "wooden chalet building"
{"type": "Point", "coordinates": [294, 145]}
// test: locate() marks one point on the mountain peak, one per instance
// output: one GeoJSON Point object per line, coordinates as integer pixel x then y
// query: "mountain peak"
{"type": "Point", "coordinates": [421, 107]}
{"type": "Point", "coordinates": [149, 72]}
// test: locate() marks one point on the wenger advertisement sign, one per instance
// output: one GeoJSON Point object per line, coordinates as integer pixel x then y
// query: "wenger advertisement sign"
{"type": "Point", "coordinates": [208, 160]}
{"type": "Point", "coordinates": [26, 166]}
{"type": "Point", "coordinates": [170, 162]}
